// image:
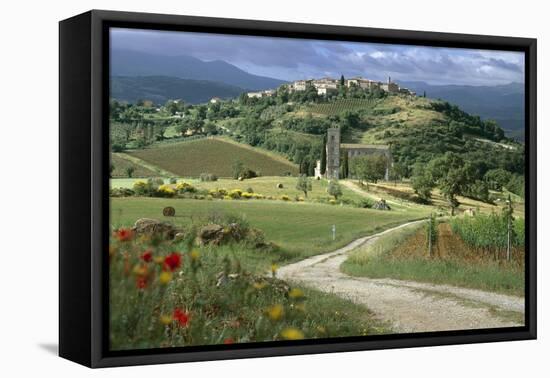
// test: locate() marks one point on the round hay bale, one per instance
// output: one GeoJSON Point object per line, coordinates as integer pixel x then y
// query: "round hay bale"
{"type": "Point", "coordinates": [169, 211]}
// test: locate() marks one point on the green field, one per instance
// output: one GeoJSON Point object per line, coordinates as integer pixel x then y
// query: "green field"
{"type": "Point", "coordinates": [191, 158]}
{"type": "Point", "coordinates": [301, 229]}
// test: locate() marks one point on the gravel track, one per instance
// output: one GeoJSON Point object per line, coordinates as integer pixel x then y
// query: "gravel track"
{"type": "Point", "coordinates": [407, 306]}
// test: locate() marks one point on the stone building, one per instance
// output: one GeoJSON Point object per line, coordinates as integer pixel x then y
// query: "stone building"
{"type": "Point", "coordinates": [390, 86]}
{"type": "Point", "coordinates": [333, 153]}
{"type": "Point", "coordinates": [334, 150]}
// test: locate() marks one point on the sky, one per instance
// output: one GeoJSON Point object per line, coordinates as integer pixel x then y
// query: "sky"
{"type": "Point", "coordinates": [292, 59]}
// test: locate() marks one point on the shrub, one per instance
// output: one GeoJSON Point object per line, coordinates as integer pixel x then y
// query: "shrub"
{"type": "Point", "coordinates": [184, 187]}
{"type": "Point", "coordinates": [206, 177]}
{"type": "Point", "coordinates": [235, 193]}
{"type": "Point", "coordinates": [248, 173]}
{"type": "Point", "coordinates": [334, 189]}
{"type": "Point", "coordinates": [284, 197]}
{"type": "Point", "coordinates": [144, 188]}
{"type": "Point", "coordinates": [365, 203]}
{"type": "Point", "coordinates": [173, 180]}
{"type": "Point", "coordinates": [118, 147]}
{"type": "Point", "coordinates": [280, 186]}
{"type": "Point", "coordinates": [121, 192]}
{"type": "Point", "coordinates": [158, 181]}
{"type": "Point", "coordinates": [165, 191]}
{"type": "Point", "coordinates": [249, 190]}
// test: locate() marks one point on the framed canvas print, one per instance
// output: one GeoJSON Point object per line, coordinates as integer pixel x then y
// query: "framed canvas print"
{"type": "Point", "coordinates": [234, 188]}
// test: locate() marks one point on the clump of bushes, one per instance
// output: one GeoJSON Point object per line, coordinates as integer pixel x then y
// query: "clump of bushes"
{"type": "Point", "coordinates": [184, 187]}
{"type": "Point", "coordinates": [235, 193]}
{"type": "Point", "coordinates": [121, 192]}
{"type": "Point", "coordinates": [207, 177]}
{"type": "Point", "coordinates": [173, 180]}
{"type": "Point", "coordinates": [165, 191]}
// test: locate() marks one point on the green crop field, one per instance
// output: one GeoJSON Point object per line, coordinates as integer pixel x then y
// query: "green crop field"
{"type": "Point", "coordinates": [337, 107]}
{"type": "Point", "coordinates": [301, 229]}
{"type": "Point", "coordinates": [215, 156]}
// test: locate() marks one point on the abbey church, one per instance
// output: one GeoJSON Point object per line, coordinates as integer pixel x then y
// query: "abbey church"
{"type": "Point", "coordinates": [334, 149]}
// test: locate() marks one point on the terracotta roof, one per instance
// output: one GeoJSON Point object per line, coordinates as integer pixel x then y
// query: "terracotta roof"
{"type": "Point", "coordinates": [371, 146]}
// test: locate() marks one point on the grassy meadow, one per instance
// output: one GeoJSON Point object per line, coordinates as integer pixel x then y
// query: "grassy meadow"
{"type": "Point", "coordinates": [300, 229]}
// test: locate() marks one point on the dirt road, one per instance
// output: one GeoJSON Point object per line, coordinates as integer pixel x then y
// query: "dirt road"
{"type": "Point", "coordinates": [407, 306]}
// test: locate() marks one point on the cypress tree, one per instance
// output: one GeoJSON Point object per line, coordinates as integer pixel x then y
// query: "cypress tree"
{"type": "Point", "coordinates": [324, 156]}
{"type": "Point", "coordinates": [345, 165]}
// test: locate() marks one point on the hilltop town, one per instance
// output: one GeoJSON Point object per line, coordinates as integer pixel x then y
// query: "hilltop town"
{"type": "Point", "coordinates": [326, 86]}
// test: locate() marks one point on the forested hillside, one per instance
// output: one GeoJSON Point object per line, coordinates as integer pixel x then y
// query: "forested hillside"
{"type": "Point", "coordinates": [419, 130]}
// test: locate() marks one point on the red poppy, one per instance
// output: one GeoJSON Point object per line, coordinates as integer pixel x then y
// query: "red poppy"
{"type": "Point", "coordinates": [172, 261]}
{"type": "Point", "coordinates": [124, 234]}
{"type": "Point", "coordinates": [229, 340]}
{"type": "Point", "coordinates": [141, 282]}
{"type": "Point", "coordinates": [147, 256]}
{"type": "Point", "coordinates": [182, 317]}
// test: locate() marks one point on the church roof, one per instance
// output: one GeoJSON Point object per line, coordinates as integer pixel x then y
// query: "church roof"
{"type": "Point", "coordinates": [365, 146]}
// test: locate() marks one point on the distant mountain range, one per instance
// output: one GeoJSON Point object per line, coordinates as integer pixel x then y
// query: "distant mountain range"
{"type": "Point", "coordinates": [137, 75]}
{"type": "Point", "coordinates": [133, 63]}
{"type": "Point", "coordinates": [159, 89]}
{"type": "Point", "coordinates": [502, 103]}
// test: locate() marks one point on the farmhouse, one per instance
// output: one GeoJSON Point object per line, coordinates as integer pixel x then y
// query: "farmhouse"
{"type": "Point", "coordinates": [334, 149]}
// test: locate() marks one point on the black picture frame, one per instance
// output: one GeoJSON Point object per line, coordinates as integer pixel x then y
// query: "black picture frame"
{"type": "Point", "coordinates": [83, 182]}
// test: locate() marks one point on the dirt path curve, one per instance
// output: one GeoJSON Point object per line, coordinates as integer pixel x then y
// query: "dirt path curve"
{"type": "Point", "coordinates": [407, 305]}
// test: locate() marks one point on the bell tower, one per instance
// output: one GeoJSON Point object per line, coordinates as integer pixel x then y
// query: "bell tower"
{"type": "Point", "coordinates": [333, 153]}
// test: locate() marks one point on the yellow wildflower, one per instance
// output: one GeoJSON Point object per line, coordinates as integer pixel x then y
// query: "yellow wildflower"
{"type": "Point", "coordinates": [295, 293]}
{"type": "Point", "coordinates": [259, 285]}
{"type": "Point", "coordinates": [275, 312]}
{"type": "Point", "coordinates": [140, 270]}
{"type": "Point", "coordinates": [195, 255]}
{"type": "Point", "coordinates": [274, 268]}
{"type": "Point", "coordinates": [165, 278]}
{"type": "Point", "coordinates": [159, 259]}
{"type": "Point", "coordinates": [292, 334]}
{"type": "Point", "coordinates": [165, 319]}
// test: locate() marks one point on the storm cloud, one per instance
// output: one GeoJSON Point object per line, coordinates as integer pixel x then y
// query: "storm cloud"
{"type": "Point", "coordinates": [292, 59]}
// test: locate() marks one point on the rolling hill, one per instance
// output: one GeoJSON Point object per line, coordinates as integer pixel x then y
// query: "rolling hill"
{"type": "Point", "coordinates": [159, 89]}
{"type": "Point", "coordinates": [502, 103]}
{"type": "Point", "coordinates": [134, 63]}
